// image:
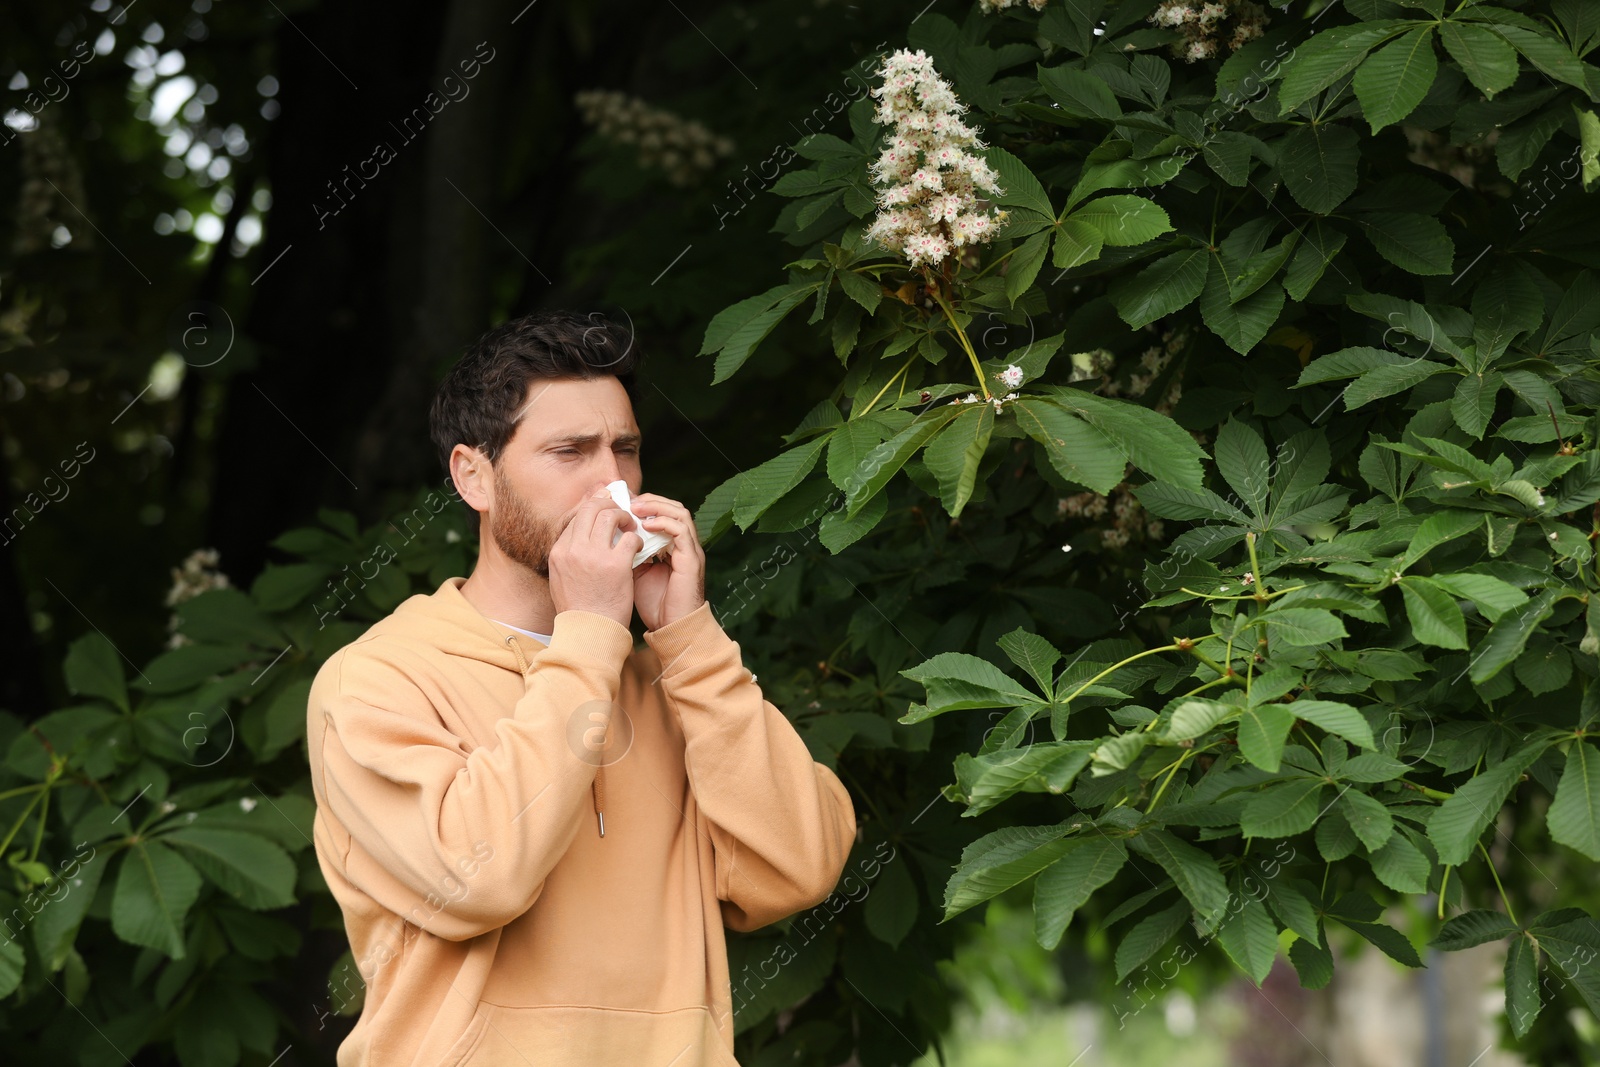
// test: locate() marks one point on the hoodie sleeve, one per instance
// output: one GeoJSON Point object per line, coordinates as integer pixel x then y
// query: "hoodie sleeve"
{"type": "Point", "coordinates": [474, 833]}
{"type": "Point", "coordinates": [781, 824]}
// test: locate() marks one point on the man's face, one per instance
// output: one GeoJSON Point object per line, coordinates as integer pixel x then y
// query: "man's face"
{"type": "Point", "coordinates": [574, 436]}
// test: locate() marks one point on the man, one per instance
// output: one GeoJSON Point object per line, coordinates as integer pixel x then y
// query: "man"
{"type": "Point", "coordinates": [535, 829]}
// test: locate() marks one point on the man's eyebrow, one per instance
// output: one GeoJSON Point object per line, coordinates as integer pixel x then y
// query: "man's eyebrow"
{"type": "Point", "coordinates": [586, 439]}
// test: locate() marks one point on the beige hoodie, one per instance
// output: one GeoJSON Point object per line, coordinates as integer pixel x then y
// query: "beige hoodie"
{"type": "Point", "coordinates": [455, 767]}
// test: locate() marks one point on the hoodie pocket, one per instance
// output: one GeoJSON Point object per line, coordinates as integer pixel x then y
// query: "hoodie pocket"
{"type": "Point", "coordinates": [471, 1038]}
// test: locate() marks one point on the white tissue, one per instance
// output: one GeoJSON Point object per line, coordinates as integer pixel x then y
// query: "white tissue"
{"type": "Point", "coordinates": [654, 541]}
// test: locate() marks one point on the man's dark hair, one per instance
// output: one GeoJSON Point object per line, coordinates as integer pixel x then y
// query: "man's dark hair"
{"type": "Point", "coordinates": [479, 399]}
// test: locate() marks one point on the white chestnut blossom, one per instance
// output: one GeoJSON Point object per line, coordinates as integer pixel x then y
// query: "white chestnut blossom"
{"type": "Point", "coordinates": [929, 183]}
{"type": "Point", "coordinates": [1206, 25]}
{"type": "Point", "coordinates": [997, 401]}
{"type": "Point", "coordinates": [683, 148]}
{"type": "Point", "coordinates": [1011, 377]}
{"type": "Point", "coordinates": [1152, 362]}
{"type": "Point", "coordinates": [1128, 519]}
{"type": "Point", "coordinates": [974, 398]}
{"type": "Point", "coordinates": [198, 574]}
{"type": "Point", "coordinates": [51, 187]}
{"type": "Point", "coordinates": [989, 7]}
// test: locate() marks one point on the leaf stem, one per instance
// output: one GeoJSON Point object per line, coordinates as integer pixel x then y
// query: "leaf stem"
{"type": "Point", "coordinates": [903, 368]}
{"type": "Point", "coordinates": [1151, 725]}
{"type": "Point", "coordinates": [1432, 794]}
{"type": "Point", "coordinates": [1174, 647]}
{"type": "Point", "coordinates": [21, 819]}
{"type": "Point", "coordinates": [1255, 567]}
{"type": "Point", "coordinates": [1222, 680]}
{"type": "Point", "coordinates": [1496, 875]}
{"type": "Point", "coordinates": [962, 336]}
{"type": "Point", "coordinates": [1209, 662]}
{"type": "Point", "coordinates": [1247, 596]}
{"type": "Point", "coordinates": [1168, 781]}
{"type": "Point", "coordinates": [870, 805]}
{"type": "Point", "coordinates": [998, 260]}
{"type": "Point", "coordinates": [38, 833]}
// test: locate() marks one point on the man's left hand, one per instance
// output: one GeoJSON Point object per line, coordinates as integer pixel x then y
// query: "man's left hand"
{"type": "Point", "coordinates": [666, 592]}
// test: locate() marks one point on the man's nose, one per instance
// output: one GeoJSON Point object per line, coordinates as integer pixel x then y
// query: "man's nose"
{"type": "Point", "coordinates": [610, 467]}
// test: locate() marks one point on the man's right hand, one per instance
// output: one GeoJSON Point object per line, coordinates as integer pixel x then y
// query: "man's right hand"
{"type": "Point", "coordinates": [588, 572]}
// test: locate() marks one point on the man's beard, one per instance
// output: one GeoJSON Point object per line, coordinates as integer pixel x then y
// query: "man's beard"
{"type": "Point", "coordinates": [521, 534]}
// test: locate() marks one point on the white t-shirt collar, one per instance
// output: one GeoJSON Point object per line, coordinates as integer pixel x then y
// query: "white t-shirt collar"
{"type": "Point", "coordinates": [543, 637]}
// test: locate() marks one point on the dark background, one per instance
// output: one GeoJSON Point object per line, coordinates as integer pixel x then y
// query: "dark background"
{"type": "Point", "coordinates": [336, 324]}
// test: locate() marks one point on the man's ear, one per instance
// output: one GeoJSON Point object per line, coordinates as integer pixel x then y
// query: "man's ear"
{"type": "Point", "coordinates": [473, 476]}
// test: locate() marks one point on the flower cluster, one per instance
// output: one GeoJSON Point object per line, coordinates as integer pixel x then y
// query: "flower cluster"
{"type": "Point", "coordinates": [928, 182]}
{"type": "Point", "coordinates": [997, 401]}
{"type": "Point", "coordinates": [1092, 364]}
{"type": "Point", "coordinates": [989, 7]}
{"type": "Point", "coordinates": [199, 574]}
{"type": "Point", "coordinates": [1128, 519]}
{"type": "Point", "coordinates": [1206, 25]}
{"type": "Point", "coordinates": [51, 183]}
{"type": "Point", "coordinates": [1152, 362]}
{"type": "Point", "coordinates": [1469, 164]}
{"type": "Point", "coordinates": [686, 150]}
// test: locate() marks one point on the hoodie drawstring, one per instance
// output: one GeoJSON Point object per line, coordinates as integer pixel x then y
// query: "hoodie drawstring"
{"type": "Point", "coordinates": [597, 788]}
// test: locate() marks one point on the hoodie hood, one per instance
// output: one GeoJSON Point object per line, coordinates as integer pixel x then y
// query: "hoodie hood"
{"type": "Point", "coordinates": [446, 620]}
